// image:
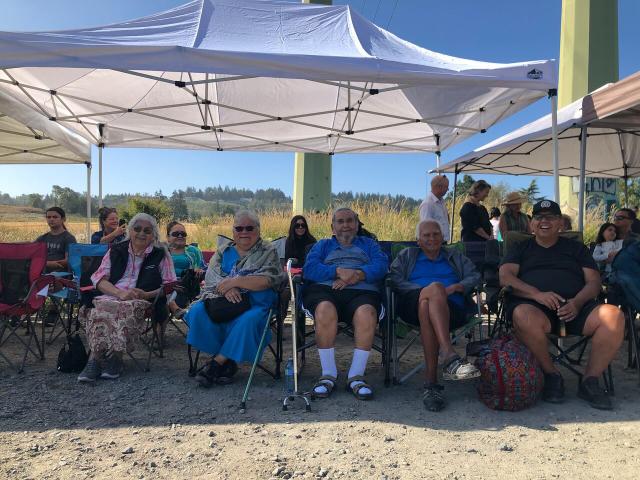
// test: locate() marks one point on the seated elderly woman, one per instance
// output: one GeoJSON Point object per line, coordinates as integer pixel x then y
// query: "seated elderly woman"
{"type": "Point", "coordinates": [129, 278]}
{"type": "Point", "coordinates": [434, 284]}
{"type": "Point", "coordinates": [245, 268]}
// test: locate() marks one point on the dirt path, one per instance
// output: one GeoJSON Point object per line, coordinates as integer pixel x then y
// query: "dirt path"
{"type": "Point", "coordinates": [159, 425]}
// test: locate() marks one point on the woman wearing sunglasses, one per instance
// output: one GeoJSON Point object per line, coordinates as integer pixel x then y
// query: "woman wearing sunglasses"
{"type": "Point", "coordinates": [128, 280]}
{"type": "Point", "coordinates": [245, 269]}
{"type": "Point", "coordinates": [188, 264]}
{"type": "Point", "coordinates": [299, 240]}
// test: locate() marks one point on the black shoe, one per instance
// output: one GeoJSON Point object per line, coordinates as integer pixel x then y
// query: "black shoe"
{"type": "Point", "coordinates": [595, 395]}
{"type": "Point", "coordinates": [226, 372]}
{"type": "Point", "coordinates": [553, 388]}
{"type": "Point", "coordinates": [432, 398]}
{"type": "Point", "coordinates": [208, 374]}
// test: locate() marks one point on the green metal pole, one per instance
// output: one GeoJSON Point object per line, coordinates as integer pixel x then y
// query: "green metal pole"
{"type": "Point", "coordinates": [312, 173]}
{"type": "Point", "coordinates": [588, 60]}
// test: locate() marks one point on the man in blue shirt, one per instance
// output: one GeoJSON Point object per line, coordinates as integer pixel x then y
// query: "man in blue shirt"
{"type": "Point", "coordinates": [432, 284]}
{"type": "Point", "coordinates": [345, 273]}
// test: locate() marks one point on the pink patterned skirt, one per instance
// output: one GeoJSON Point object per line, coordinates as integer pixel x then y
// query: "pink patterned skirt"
{"type": "Point", "coordinates": [115, 325]}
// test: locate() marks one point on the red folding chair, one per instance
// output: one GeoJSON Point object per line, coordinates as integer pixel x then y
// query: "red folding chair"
{"type": "Point", "coordinates": [21, 296]}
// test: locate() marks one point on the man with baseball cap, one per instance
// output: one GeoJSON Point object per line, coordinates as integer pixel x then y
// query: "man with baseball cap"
{"type": "Point", "coordinates": [556, 280]}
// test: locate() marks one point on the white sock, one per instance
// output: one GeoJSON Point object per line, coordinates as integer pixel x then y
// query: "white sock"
{"type": "Point", "coordinates": [358, 366]}
{"type": "Point", "coordinates": [328, 363]}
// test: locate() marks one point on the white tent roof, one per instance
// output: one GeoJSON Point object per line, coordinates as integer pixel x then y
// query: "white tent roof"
{"type": "Point", "coordinates": [26, 136]}
{"type": "Point", "coordinates": [262, 75]}
{"type": "Point", "coordinates": [612, 117]}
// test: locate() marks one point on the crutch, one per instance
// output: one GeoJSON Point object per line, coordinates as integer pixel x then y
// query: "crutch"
{"type": "Point", "coordinates": [245, 396]}
{"type": "Point", "coordinates": [291, 396]}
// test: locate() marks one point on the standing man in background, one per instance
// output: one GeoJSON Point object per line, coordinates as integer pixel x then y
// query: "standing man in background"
{"type": "Point", "coordinates": [434, 208]}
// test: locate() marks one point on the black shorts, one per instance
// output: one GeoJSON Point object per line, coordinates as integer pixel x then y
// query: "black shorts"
{"type": "Point", "coordinates": [346, 301]}
{"type": "Point", "coordinates": [573, 327]}
{"type": "Point", "coordinates": [407, 305]}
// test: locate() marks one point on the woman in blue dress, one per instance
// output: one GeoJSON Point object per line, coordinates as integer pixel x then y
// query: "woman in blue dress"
{"type": "Point", "coordinates": [246, 265]}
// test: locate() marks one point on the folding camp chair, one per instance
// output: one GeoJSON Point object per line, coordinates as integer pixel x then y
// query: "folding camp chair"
{"type": "Point", "coordinates": [306, 338]}
{"type": "Point", "coordinates": [276, 323]}
{"type": "Point", "coordinates": [569, 355]}
{"type": "Point", "coordinates": [474, 319]}
{"type": "Point", "coordinates": [23, 290]}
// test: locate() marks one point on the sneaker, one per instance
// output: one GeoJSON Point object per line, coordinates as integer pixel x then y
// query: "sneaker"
{"type": "Point", "coordinates": [459, 369]}
{"type": "Point", "coordinates": [553, 388]}
{"type": "Point", "coordinates": [596, 396]}
{"type": "Point", "coordinates": [208, 374]}
{"type": "Point", "coordinates": [91, 371]}
{"type": "Point", "coordinates": [112, 367]}
{"type": "Point", "coordinates": [432, 398]}
{"type": "Point", "coordinates": [226, 372]}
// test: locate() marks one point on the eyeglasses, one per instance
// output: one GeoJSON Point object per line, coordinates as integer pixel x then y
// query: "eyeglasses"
{"type": "Point", "coordinates": [540, 217]}
{"type": "Point", "coordinates": [244, 228]}
{"type": "Point", "coordinates": [300, 225]}
{"type": "Point", "coordinates": [145, 230]}
{"type": "Point", "coordinates": [179, 234]}
{"type": "Point", "coordinates": [621, 217]}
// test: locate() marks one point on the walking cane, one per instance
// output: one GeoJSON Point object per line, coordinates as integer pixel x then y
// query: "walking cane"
{"type": "Point", "coordinates": [291, 396]}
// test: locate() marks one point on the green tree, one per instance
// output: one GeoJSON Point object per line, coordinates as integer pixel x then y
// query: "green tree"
{"type": "Point", "coordinates": [157, 208]}
{"type": "Point", "coordinates": [531, 193]}
{"type": "Point", "coordinates": [462, 187]}
{"type": "Point", "coordinates": [178, 205]}
{"type": "Point", "coordinates": [36, 200]}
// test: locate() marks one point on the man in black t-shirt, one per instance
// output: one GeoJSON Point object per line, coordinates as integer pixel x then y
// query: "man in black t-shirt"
{"type": "Point", "coordinates": [555, 280]}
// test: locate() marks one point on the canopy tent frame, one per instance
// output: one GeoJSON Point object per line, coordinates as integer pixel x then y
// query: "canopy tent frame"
{"type": "Point", "coordinates": [247, 69]}
{"type": "Point", "coordinates": [612, 110]}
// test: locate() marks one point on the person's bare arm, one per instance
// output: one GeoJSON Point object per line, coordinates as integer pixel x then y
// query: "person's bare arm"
{"type": "Point", "coordinates": [502, 226]}
{"type": "Point", "coordinates": [480, 232]}
{"type": "Point", "coordinates": [509, 278]}
{"type": "Point", "coordinates": [253, 283]}
{"type": "Point", "coordinates": [590, 291]}
{"type": "Point", "coordinates": [108, 288]}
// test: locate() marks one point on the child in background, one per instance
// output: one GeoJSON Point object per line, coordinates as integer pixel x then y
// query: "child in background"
{"type": "Point", "coordinates": [606, 247]}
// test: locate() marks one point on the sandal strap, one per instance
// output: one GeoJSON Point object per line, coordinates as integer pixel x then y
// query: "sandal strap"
{"type": "Point", "coordinates": [356, 378]}
{"type": "Point", "coordinates": [326, 381]}
{"type": "Point", "coordinates": [453, 364]}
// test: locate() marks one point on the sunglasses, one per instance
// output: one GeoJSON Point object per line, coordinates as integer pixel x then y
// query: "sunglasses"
{"type": "Point", "coordinates": [300, 225]}
{"type": "Point", "coordinates": [541, 217]}
{"type": "Point", "coordinates": [179, 234]}
{"type": "Point", "coordinates": [145, 230]}
{"type": "Point", "coordinates": [244, 228]}
{"type": "Point", "coordinates": [621, 217]}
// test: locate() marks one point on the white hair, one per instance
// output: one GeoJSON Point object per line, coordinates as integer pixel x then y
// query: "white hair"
{"type": "Point", "coordinates": [427, 222]}
{"type": "Point", "coordinates": [240, 214]}
{"type": "Point", "coordinates": [342, 209]}
{"type": "Point", "coordinates": [145, 217]}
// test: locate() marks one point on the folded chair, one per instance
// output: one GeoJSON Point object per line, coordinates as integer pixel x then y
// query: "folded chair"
{"type": "Point", "coordinates": [21, 296]}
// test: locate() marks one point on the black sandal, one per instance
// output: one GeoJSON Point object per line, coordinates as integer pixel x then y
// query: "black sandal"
{"type": "Point", "coordinates": [326, 381]}
{"type": "Point", "coordinates": [355, 390]}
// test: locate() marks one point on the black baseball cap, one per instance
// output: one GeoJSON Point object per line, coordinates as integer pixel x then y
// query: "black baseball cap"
{"type": "Point", "coordinates": [547, 206]}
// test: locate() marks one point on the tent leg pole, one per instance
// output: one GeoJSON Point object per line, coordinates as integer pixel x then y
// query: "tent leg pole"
{"type": "Point", "coordinates": [553, 95]}
{"type": "Point", "coordinates": [88, 203]}
{"type": "Point", "coordinates": [453, 205]}
{"type": "Point", "coordinates": [100, 176]}
{"type": "Point", "coordinates": [583, 161]}
{"type": "Point", "coordinates": [437, 153]}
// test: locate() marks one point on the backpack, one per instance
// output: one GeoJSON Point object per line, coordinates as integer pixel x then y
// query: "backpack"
{"type": "Point", "coordinates": [511, 378]}
{"type": "Point", "coordinates": [74, 358]}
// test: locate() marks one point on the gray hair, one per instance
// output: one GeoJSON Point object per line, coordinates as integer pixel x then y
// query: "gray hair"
{"type": "Point", "coordinates": [428, 221]}
{"type": "Point", "coordinates": [342, 209]}
{"type": "Point", "coordinates": [144, 217]}
{"type": "Point", "coordinates": [246, 214]}
{"type": "Point", "coordinates": [437, 179]}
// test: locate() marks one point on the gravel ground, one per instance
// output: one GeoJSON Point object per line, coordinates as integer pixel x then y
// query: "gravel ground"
{"type": "Point", "coordinates": [160, 425]}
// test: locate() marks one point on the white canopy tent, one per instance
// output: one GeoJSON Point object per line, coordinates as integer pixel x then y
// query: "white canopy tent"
{"type": "Point", "coordinates": [262, 75]}
{"type": "Point", "coordinates": [599, 136]}
{"type": "Point", "coordinates": [27, 137]}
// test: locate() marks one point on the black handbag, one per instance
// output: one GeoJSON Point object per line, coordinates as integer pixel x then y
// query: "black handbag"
{"type": "Point", "coordinates": [73, 356]}
{"type": "Point", "coordinates": [221, 310]}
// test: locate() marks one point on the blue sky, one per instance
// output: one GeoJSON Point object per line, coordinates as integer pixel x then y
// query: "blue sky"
{"type": "Point", "coordinates": [491, 30]}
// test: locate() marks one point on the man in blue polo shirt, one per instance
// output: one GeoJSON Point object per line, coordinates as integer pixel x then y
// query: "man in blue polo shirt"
{"type": "Point", "coordinates": [433, 285]}
{"type": "Point", "coordinates": [344, 274]}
